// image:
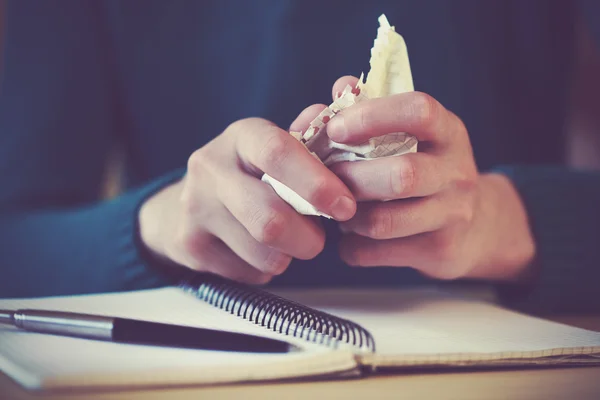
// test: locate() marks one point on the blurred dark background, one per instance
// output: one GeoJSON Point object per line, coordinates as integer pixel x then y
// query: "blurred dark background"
{"type": "Point", "coordinates": [582, 129]}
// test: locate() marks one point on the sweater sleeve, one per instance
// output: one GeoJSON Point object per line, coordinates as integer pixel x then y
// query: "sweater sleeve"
{"type": "Point", "coordinates": [57, 124]}
{"type": "Point", "coordinates": [562, 205]}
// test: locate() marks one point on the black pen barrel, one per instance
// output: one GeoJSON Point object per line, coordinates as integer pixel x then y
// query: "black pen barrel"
{"type": "Point", "coordinates": [153, 333]}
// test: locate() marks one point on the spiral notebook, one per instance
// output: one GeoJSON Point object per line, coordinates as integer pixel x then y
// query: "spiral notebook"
{"type": "Point", "coordinates": [343, 332]}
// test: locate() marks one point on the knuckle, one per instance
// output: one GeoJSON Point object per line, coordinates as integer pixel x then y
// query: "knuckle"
{"type": "Point", "coordinates": [448, 273]}
{"type": "Point", "coordinates": [466, 181]}
{"type": "Point", "coordinates": [276, 263]}
{"type": "Point", "coordinates": [445, 263]}
{"type": "Point", "coordinates": [261, 279]}
{"type": "Point", "coordinates": [274, 152]}
{"type": "Point", "coordinates": [234, 127]}
{"type": "Point", "coordinates": [319, 189]}
{"type": "Point", "coordinates": [364, 117]}
{"type": "Point", "coordinates": [459, 125]}
{"type": "Point", "coordinates": [195, 246]}
{"type": "Point", "coordinates": [366, 256]}
{"type": "Point", "coordinates": [424, 109]}
{"type": "Point", "coordinates": [193, 205]}
{"type": "Point", "coordinates": [198, 161]}
{"type": "Point", "coordinates": [382, 255]}
{"type": "Point", "coordinates": [268, 227]}
{"type": "Point", "coordinates": [189, 207]}
{"type": "Point", "coordinates": [353, 256]}
{"type": "Point", "coordinates": [445, 250]}
{"type": "Point", "coordinates": [318, 248]}
{"type": "Point", "coordinates": [462, 213]}
{"type": "Point", "coordinates": [380, 223]}
{"type": "Point", "coordinates": [313, 248]}
{"type": "Point", "coordinates": [240, 125]}
{"type": "Point", "coordinates": [359, 258]}
{"type": "Point", "coordinates": [205, 161]}
{"type": "Point", "coordinates": [403, 182]}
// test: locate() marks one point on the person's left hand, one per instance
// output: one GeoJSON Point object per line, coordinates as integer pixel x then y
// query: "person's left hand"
{"type": "Point", "coordinates": [442, 217]}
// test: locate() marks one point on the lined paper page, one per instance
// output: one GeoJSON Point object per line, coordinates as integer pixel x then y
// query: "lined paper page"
{"type": "Point", "coordinates": [53, 361]}
{"type": "Point", "coordinates": [414, 326]}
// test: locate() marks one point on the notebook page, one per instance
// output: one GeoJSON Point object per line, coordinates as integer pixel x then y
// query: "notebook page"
{"type": "Point", "coordinates": [37, 360]}
{"type": "Point", "coordinates": [430, 325]}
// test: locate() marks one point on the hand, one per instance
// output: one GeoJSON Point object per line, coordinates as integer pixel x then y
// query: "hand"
{"type": "Point", "coordinates": [445, 219]}
{"type": "Point", "coordinates": [222, 218]}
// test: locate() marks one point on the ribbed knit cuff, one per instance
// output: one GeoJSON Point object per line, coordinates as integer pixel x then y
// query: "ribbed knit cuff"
{"type": "Point", "coordinates": [139, 270]}
{"type": "Point", "coordinates": [563, 209]}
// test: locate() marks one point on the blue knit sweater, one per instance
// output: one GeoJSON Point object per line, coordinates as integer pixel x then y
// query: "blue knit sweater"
{"type": "Point", "coordinates": [157, 79]}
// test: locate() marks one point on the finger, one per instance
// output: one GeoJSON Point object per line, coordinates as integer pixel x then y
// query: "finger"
{"type": "Point", "coordinates": [266, 259]}
{"type": "Point", "coordinates": [402, 218]}
{"type": "Point", "coordinates": [269, 220]}
{"type": "Point", "coordinates": [399, 177]}
{"type": "Point", "coordinates": [434, 254]}
{"type": "Point", "coordinates": [269, 149]}
{"type": "Point", "coordinates": [217, 258]}
{"type": "Point", "coordinates": [341, 83]}
{"type": "Point", "coordinates": [416, 113]}
{"type": "Point", "coordinates": [366, 252]}
{"type": "Point", "coordinates": [307, 115]}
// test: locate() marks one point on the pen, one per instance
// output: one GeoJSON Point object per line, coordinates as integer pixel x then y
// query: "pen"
{"type": "Point", "coordinates": [123, 330]}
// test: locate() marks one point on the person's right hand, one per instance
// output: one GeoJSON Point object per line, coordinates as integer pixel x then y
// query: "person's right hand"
{"type": "Point", "coordinates": [222, 218]}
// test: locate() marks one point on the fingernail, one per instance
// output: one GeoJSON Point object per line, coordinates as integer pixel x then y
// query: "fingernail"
{"type": "Point", "coordinates": [343, 208]}
{"type": "Point", "coordinates": [336, 128]}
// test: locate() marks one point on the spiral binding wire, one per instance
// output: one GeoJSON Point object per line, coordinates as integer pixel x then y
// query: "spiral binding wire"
{"type": "Point", "coordinates": [278, 314]}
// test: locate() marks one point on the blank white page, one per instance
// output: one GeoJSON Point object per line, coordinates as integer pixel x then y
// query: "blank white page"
{"type": "Point", "coordinates": [421, 326]}
{"type": "Point", "coordinates": [38, 360]}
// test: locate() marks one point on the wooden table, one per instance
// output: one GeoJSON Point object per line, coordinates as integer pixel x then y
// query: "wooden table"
{"type": "Point", "coordinates": [555, 383]}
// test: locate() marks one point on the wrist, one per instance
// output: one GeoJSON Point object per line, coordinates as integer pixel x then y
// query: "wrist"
{"type": "Point", "coordinates": [502, 227]}
{"type": "Point", "coordinates": [157, 219]}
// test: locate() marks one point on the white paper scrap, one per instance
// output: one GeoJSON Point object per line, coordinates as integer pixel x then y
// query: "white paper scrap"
{"type": "Point", "coordinates": [389, 74]}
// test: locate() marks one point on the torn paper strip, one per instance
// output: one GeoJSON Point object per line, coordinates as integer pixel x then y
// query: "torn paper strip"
{"type": "Point", "coordinates": [389, 74]}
